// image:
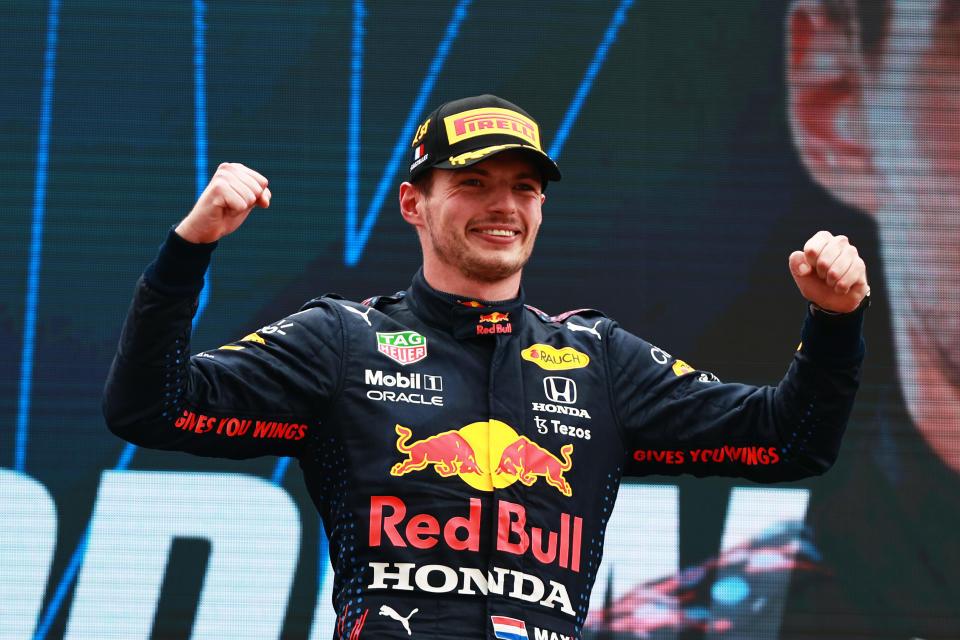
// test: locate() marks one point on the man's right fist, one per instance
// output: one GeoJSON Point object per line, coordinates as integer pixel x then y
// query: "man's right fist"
{"type": "Point", "coordinates": [233, 191]}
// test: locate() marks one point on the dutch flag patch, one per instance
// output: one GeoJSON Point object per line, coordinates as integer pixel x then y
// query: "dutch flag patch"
{"type": "Point", "coordinates": [509, 628]}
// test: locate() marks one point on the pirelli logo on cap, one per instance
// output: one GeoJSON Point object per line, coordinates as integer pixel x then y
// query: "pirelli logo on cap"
{"type": "Point", "coordinates": [479, 122]}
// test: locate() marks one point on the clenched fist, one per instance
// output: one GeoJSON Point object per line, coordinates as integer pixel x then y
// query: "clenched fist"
{"type": "Point", "coordinates": [830, 273]}
{"type": "Point", "coordinates": [233, 191]}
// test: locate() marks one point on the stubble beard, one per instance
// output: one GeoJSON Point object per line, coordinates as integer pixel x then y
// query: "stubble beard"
{"type": "Point", "coordinates": [491, 268]}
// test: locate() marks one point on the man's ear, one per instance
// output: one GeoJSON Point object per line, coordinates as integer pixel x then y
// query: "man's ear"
{"type": "Point", "coordinates": [410, 197]}
{"type": "Point", "coordinates": [825, 81]}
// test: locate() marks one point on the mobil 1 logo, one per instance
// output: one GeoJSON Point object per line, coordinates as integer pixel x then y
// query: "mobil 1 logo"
{"type": "Point", "coordinates": [409, 388]}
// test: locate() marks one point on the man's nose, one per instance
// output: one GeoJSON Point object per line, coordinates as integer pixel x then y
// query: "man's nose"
{"type": "Point", "coordinates": [502, 199]}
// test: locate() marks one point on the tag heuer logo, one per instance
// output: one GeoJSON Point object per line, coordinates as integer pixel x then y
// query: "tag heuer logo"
{"type": "Point", "coordinates": [402, 346]}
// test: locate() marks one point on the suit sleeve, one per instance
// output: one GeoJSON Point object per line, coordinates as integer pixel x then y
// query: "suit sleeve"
{"type": "Point", "coordinates": [677, 420]}
{"type": "Point", "coordinates": [262, 395]}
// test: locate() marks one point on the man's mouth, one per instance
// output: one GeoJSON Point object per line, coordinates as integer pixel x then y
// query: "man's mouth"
{"type": "Point", "coordinates": [506, 233]}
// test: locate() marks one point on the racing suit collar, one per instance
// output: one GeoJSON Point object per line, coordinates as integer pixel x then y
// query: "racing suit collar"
{"type": "Point", "coordinates": [462, 316]}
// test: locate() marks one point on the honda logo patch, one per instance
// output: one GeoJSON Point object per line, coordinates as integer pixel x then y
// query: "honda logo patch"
{"type": "Point", "coordinates": [560, 389]}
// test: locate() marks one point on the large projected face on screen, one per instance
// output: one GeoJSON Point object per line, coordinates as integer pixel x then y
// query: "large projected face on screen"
{"type": "Point", "coordinates": [875, 110]}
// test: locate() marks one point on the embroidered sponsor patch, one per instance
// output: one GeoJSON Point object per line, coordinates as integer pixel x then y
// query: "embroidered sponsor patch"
{"type": "Point", "coordinates": [680, 367]}
{"type": "Point", "coordinates": [553, 359]}
{"type": "Point", "coordinates": [404, 347]}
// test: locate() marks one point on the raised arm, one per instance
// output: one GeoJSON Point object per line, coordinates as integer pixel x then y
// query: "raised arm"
{"type": "Point", "coordinates": [677, 419]}
{"type": "Point", "coordinates": [263, 394]}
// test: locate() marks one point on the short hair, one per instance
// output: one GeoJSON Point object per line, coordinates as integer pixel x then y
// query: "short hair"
{"type": "Point", "coordinates": [424, 182]}
{"type": "Point", "coordinates": [866, 20]}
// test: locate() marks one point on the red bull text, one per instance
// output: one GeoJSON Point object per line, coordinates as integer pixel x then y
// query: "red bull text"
{"type": "Point", "coordinates": [390, 525]}
{"type": "Point", "coordinates": [500, 324]}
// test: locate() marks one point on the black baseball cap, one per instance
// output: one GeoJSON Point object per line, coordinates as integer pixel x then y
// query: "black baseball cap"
{"type": "Point", "coordinates": [464, 132]}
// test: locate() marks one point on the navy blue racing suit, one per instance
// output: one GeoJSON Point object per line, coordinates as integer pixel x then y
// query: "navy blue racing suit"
{"type": "Point", "coordinates": [464, 455]}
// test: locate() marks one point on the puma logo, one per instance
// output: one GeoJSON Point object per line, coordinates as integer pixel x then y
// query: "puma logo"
{"type": "Point", "coordinates": [362, 314]}
{"type": "Point", "coordinates": [580, 327]}
{"type": "Point", "coordinates": [388, 611]}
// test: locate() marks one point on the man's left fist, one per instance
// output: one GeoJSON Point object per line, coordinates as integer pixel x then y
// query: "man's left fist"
{"type": "Point", "coordinates": [830, 273]}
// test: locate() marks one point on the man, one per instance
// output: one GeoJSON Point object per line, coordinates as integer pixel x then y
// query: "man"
{"type": "Point", "coordinates": [875, 112]}
{"type": "Point", "coordinates": [463, 449]}
{"type": "Point", "coordinates": [874, 106]}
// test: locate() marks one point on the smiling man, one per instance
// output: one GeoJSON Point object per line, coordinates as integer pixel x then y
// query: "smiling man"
{"type": "Point", "coordinates": [465, 449]}
{"type": "Point", "coordinates": [477, 225]}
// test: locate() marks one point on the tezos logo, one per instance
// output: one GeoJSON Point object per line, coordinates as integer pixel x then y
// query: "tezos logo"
{"type": "Point", "coordinates": [404, 347]}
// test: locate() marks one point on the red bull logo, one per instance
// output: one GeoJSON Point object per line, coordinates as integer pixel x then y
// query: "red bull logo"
{"type": "Point", "coordinates": [495, 317]}
{"type": "Point", "coordinates": [500, 321]}
{"type": "Point", "coordinates": [485, 455]}
{"type": "Point", "coordinates": [448, 452]}
{"type": "Point", "coordinates": [526, 460]}
{"type": "Point", "coordinates": [394, 523]}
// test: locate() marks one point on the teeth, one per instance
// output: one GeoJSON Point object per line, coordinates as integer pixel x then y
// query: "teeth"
{"type": "Point", "coordinates": [500, 232]}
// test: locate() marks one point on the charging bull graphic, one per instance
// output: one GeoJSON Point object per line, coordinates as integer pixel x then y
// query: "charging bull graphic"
{"type": "Point", "coordinates": [494, 317]}
{"type": "Point", "coordinates": [470, 452]}
{"type": "Point", "coordinates": [448, 452]}
{"type": "Point", "coordinates": [526, 460]}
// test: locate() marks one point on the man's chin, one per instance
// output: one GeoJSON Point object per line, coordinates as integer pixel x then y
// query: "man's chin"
{"type": "Point", "coordinates": [491, 271]}
{"type": "Point", "coordinates": [490, 274]}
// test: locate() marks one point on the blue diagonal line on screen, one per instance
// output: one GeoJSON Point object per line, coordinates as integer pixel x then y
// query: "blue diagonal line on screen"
{"type": "Point", "coordinates": [36, 239]}
{"type": "Point", "coordinates": [356, 239]}
{"type": "Point", "coordinates": [280, 470]}
{"type": "Point", "coordinates": [323, 552]}
{"type": "Point", "coordinates": [46, 620]}
{"type": "Point", "coordinates": [200, 142]}
{"type": "Point", "coordinates": [353, 152]}
{"type": "Point", "coordinates": [353, 119]}
{"type": "Point", "coordinates": [200, 123]}
{"type": "Point", "coordinates": [609, 37]}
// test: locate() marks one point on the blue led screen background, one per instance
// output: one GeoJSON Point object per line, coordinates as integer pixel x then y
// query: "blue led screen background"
{"type": "Point", "coordinates": [694, 161]}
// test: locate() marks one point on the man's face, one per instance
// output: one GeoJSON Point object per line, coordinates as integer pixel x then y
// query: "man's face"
{"type": "Point", "coordinates": [482, 221]}
{"type": "Point", "coordinates": [912, 106]}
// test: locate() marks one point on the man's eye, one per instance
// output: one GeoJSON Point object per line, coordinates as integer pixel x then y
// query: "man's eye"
{"type": "Point", "coordinates": [526, 187]}
{"type": "Point", "coordinates": [471, 182]}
